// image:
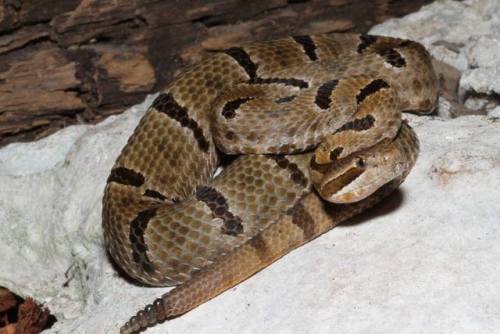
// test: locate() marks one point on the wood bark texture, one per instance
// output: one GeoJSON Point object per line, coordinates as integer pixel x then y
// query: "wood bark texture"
{"type": "Point", "coordinates": [65, 62]}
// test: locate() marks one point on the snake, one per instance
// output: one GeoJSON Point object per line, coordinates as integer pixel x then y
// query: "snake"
{"type": "Point", "coordinates": [308, 132]}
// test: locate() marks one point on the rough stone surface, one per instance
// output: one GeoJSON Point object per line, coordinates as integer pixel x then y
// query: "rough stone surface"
{"type": "Point", "coordinates": [423, 261]}
{"type": "Point", "coordinates": [464, 34]}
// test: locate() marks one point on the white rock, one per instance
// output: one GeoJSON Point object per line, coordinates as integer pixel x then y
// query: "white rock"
{"type": "Point", "coordinates": [484, 80]}
{"type": "Point", "coordinates": [483, 52]}
{"type": "Point", "coordinates": [495, 112]}
{"type": "Point", "coordinates": [463, 34]}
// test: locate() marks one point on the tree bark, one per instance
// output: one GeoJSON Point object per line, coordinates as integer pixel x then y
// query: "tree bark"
{"type": "Point", "coordinates": [73, 61]}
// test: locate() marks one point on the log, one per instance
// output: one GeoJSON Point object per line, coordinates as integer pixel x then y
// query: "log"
{"type": "Point", "coordinates": [64, 62]}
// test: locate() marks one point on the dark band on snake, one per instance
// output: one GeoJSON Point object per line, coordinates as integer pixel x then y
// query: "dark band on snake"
{"type": "Point", "coordinates": [302, 219]}
{"type": "Point", "coordinates": [126, 176]}
{"type": "Point", "coordinates": [154, 194]}
{"type": "Point", "coordinates": [229, 109]}
{"type": "Point", "coordinates": [242, 57]}
{"type": "Point", "coordinates": [139, 248]}
{"type": "Point", "coordinates": [259, 244]}
{"type": "Point", "coordinates": [366, 41]}
{"type": "Point", "coordinates": [220, 209]}
{"type": "Point", "coordinates": [323, 94]}
{"type": "Point", "coordinates": [165, 103]}
{"type": "Point", "coordinates": [287, 82]}
{"type": "Point", "coordinates": [359, 124]}
{"type": "Point", "coordinates": [308, 45]}
{"type": "Point", "coordinates": [370, 89]}
{"type": "Point", "coordinates": [392, 57]}
{"type": "Point", "coordinates": [405, 43]}
{"type": "Point", "coordinates": [295, 173]}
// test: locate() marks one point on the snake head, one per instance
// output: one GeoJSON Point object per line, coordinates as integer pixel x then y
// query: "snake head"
{"type": "Point", "coordinates": [358, 175]}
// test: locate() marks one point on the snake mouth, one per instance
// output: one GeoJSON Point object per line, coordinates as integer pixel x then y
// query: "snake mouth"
{"type": "Point", "coordinates": [333, 186]}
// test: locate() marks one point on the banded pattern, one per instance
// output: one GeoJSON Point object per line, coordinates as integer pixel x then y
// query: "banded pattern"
{"type": "Point", "coordinates": [287, 82]}
{"type": "Point", "coordinates": [392, 57]}
{"type": "Point", "coordinates": [359, 124]}
{"type": "Point", "coordinates": [366, 41]}
{"type": "Point", "coordinates": [370, 89]}
{"type": "Point", "coordinates": [296, 173]}
{"type": "Point", "coordinates": [244, 60]}
{"type": "Point", "coordinates": [334, 101]}
{"type": "Point", "coordinates": [218, 205]}
{"type": "Point", "coordinates": [165, 103]}
{"type": "Point", "coordinates": [126, 176]}
{"type": "Point", "coordinates": [229, 109]}
{"type": "Point", "coordinates": [154, 194]}
{"type": "Point", "coordinates": [139, 248]}
{"type": "Point", "coordinates": [308, 45]}
{"type": "Point", "coordinates": [323, 99]}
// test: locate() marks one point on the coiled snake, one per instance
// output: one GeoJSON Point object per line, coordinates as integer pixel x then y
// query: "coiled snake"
{"type": "Point", "coordinates": [303, 111]}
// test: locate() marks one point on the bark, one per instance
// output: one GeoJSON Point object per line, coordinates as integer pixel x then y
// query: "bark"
{"type": "Point", "coordinates": [71, 61]}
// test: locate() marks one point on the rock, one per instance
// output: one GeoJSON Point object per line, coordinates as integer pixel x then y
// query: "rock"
{"type": "Point", "coordinates": [495, 112]}
{"type": "Point", "coordinates": [464, 34]}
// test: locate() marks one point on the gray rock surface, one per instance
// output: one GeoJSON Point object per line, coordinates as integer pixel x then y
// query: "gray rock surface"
{"type": "Point", "coordinates": [464, 34]}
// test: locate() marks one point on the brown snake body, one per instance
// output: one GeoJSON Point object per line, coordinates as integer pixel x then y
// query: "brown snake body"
{"type": "Point", "coordinates": [168, 221]}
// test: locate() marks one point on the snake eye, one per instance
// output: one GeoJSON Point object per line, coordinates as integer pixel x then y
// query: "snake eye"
{"type": "Point", "coordinates": [360, 163]}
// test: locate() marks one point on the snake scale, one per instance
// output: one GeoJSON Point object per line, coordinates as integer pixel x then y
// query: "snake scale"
{"type": "Point", "coordinates": [316, 121]}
